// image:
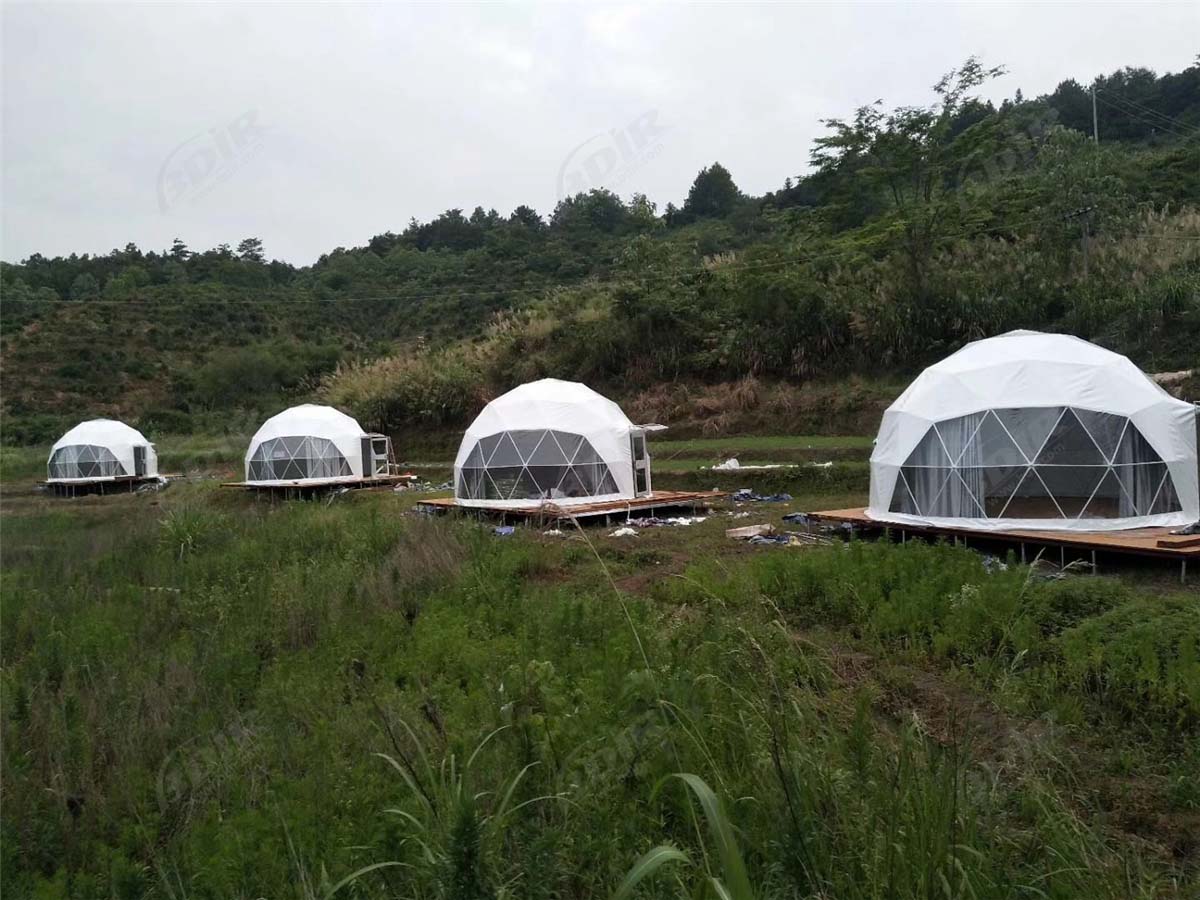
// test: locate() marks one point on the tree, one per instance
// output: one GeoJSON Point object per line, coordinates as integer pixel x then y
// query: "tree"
{"type": "Point", "coordinates": [713, 193]}
{"type": "Point", "coordinates": [179, 251]}
{"type": "Point", "coordinates": [251, 250]}
{"type": "Point", "coordinates": [910, 155]}
{"type": "Point", "coordinates": [85, 287]}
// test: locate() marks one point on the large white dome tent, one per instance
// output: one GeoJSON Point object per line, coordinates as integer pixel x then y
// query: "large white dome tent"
{"type": "Point", "coordinates": [101, 450]}
{"type": "Point", "coordinates": [551, 441]}
{"type": "Point", "coordinates": [311, 445]}
{"type": "Point", "coordinates": [1036, 431]}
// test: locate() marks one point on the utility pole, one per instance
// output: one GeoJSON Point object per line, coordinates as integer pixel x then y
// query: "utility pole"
{"type": "Point", "coordinates": [1095, 118]}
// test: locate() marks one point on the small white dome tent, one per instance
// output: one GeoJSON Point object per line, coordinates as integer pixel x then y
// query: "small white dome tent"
{"type": "Point", "coordinates": [551, 441]}
{"type": "Point", "coordinates": [101, 450]}
{"type": "Point", "coordinates": [313, 445]}
{"type": "Point", "coordinates": [1036, 431]}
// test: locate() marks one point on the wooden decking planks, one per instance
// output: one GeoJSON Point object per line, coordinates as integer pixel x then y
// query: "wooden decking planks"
{"type": "Point", "coordinates": [377, 481]}
{"type": "Point", "coordinates": [1136, 541]}
{"type": "Point", "coordinates": [552, 511]}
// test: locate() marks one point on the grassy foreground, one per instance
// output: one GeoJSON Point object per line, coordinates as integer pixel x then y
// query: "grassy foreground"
{"type": "Point", "coordinates": [205, 696]}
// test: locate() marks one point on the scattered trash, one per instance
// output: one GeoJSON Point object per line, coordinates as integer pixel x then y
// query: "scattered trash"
{"type": "Point", "coordinates": [994, 564]}
{"type": "Point", "coordinates": [422, 487]}
{"type": "Point", "coordinates": [154, 486]}
{"type": "Point", "coordinates": [624, 532]}
{"type": "Point", "coordinates": [738, 515]}
{"type": "Point", "coordinates": [745, 495]}
{"type": "Point", "coordinates": [791, 539]}
{"type": "Point", "coordinates": [674, 521]}
{"type": "Point", "coordinates": [749, 531]}
{"type": "Point", "coordinates": [553, 532]}
{"type": "Point", "coordinates": [732, 465]}
{"type": "Point", "coordinates": [798, 519]}
{"type": "Point", "coordinates": [504, 530]}
{"type": "Point", "coordinates": [822, 465]}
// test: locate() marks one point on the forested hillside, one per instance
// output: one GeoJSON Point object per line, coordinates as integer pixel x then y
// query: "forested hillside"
{"type": "Point", "coordinates": [904, 233]}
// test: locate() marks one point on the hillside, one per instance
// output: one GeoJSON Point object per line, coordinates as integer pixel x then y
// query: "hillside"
{"type": "Point", "coordinates": [912, 231]}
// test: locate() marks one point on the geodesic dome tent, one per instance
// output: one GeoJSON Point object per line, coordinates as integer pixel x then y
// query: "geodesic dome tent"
{"type": "Point", "coordinates": [311, 444]}
{"type": "Point", "coordinates": [99, 450]}
{"type": "Point", "coordinates": [1041, 431]}
{"type": "Point", "coordinates": [551, 441]}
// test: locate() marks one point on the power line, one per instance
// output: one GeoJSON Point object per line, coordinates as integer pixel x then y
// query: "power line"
{"type": "Point", "coordinates": [1149, 111]}
{"type": "Point", "coordinates": [1158, 125]}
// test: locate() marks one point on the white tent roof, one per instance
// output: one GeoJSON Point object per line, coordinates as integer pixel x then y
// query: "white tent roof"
{"type": "Point", "coordinates": [102, 433]}
{"type": "Point", "coordinates": [117, 437]}
{"type": "Point", "coordinates": [313, 420]}
{"type": "Point", "coordinates": [1026, 369]}
{"type": "Point", "coordinates": [564, 406]}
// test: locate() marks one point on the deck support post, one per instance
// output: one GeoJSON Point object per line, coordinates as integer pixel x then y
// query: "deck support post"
{"type": "Point", "coordinates": [1022, 553]}
{"type": "Point", "coordinates": [1094, 569]}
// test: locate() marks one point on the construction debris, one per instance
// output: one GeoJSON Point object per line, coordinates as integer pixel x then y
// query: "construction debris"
{"type": "Point", "coordinates": [749, 531]}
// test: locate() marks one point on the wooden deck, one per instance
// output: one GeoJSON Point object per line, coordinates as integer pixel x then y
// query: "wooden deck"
{"type": "Point", "coordinates": [552, 512]}
{"type": "Point", "coordinates": [118, 484]}
{"type": "Point", "coordinates": [1158, 543]}
{"type": "Point", "coordinates": [286, 487]}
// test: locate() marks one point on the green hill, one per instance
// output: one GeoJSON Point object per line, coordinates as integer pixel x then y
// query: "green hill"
{"type": "Point", "coordinates": [912, 231]}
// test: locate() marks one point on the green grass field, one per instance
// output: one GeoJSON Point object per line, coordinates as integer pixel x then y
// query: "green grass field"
{"type": "Point", "coordinates": [208, 695]}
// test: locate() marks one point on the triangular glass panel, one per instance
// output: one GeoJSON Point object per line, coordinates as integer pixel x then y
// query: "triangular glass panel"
{"type": "Point", "coordinates": [1108, 501]}
{"type": "Point", "coordinates": [1134, 448]}
{"type": "Point", "coordinates": [925, 484]}
{"type": "Point", "coordinates": [525, 488]}
{"type": "Point", "coordinates": [586, 454]}
{"type": "Point", "coordinates": [547, 477]}
{"type": "Point", "coordinates": [568, 442]}
{"type": "Point", "coordinates": [1030, 426]}
{"type": "Point", "coordinates": [929, 452]}
{"type": "Point", "coordinates": [1031, 500]}
{"type": "Point", "coordinates": [1071, 486]}
{"type": "Point", "coordinates": [505, 454]}
{"type": "Point", "coordinates": [292, 470]}
{"type": "Point", "coordinates": [991, 446]}
{"type": "Point", "coordinates": [1140, 484]}
{"type": "Point", "coordinates": [931, 490]}
{"type": "Point", "coordinates": [276, 449]}
{"type": "Point", "coordinates": [505, 478]}
{"type": "Point", "coordinates": [1069, 444]}
{"type": "Point", "coordinates": [902, 498]}
{"type": "Point", "coordinates": [488, 444]}
{"type": "Point", "coordinates": [957, 433]}
{"type": "Point", "coordinates": [608, 484]}
{"type": "Point", "coordinates": [474, 458]}
{"type": "Point", "coordinates": [87, 453]}
{"type": "Point", "coordinates": [571, 486]}
{"type": "Point", "coordinates": [993, 485]}
{"type": "Point", "coordinates": [958, 499]}
{"type": "Point", "coordinates": [490, 490]}
{"type": "Point", "coordinates": [1105, 428]}
{"type": "Point", "coordinates": [548, 453]}
{"type": "Point", "coordinates": [1167, 500]}
{"type": "Point", "coordinates": [527, 442]}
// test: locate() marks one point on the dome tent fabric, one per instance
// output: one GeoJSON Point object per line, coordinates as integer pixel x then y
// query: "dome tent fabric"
{"type": "Point", "coordinates": [548, 440]}
{"type": "Point", "coordinates": [1036, 431]}
{"type": "Point", "coordinates": [307, 444]}
{"type": "Point", "coordinates": [101, 449]}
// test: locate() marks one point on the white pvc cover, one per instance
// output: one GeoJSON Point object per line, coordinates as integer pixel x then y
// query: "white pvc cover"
{"type": "Point", "coordinates": [562, 406]}
{"type": "Point", "coordinates": [313, 420]}
{"type": "Point", "coordinates": [1029, 369]}
{"type": "Point", "coordinates": [117, 437]}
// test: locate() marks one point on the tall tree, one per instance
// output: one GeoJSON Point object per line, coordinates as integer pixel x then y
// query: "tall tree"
{"type": "Point", "coordinates": [713, 193]}
{"type": "Point", "coordinates": [251, 250]}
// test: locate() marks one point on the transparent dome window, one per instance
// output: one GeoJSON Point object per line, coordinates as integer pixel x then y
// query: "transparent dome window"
{"type": "Point", "coordinates": [534, 465]}
{"type": "Point", "coordinates": [1034, 463]}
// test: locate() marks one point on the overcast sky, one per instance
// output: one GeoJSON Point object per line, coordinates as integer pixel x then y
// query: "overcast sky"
{"type": "Point", "coordinates": [318, 126]}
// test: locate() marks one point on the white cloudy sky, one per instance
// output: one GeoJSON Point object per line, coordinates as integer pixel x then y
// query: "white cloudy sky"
{"type": "Point", "coordinates": [316, 126]}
